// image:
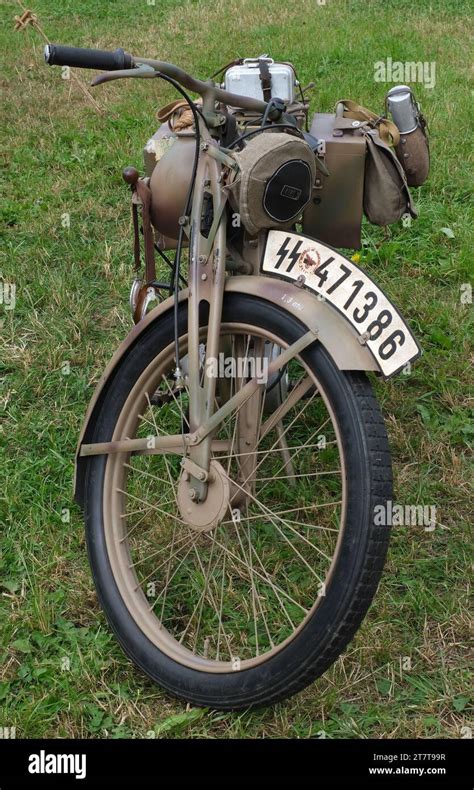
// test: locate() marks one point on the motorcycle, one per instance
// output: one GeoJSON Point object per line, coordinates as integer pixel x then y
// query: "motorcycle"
{"type": "Point", "coordinates": [233, 455]}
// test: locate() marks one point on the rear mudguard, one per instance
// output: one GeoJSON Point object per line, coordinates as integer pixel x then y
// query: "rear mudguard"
{"type": "Point", "coordinates": [335, 334]}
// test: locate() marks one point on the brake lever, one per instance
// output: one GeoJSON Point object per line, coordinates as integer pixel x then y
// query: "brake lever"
{"type": "Point", "coordinates": [143, 70]}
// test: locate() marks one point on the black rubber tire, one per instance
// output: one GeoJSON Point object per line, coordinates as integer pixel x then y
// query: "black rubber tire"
{"type": "Point", "coordinates": [361, 558]}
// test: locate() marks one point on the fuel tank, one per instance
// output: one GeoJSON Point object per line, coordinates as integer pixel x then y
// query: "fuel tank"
{"type": "Point", "coordinates": [169, 184]}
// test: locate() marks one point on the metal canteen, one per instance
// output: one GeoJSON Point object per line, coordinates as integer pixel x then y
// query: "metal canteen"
{"type": "Point", "coordinates": [413, 148]}
{"type": "Point", "coordinates": [403, 108]}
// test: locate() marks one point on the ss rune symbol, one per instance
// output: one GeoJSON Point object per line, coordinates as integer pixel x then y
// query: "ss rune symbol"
{"type": "Point", "coordinates": [284, 252]}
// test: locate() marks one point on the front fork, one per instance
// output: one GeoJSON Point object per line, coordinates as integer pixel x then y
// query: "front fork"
{"type": "Point", "coordinates": [206, 284]}
{"type": "Point", "coordinates": [207, 265]}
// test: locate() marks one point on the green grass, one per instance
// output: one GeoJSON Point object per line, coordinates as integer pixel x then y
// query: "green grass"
{"type": "Point", "coordinates": [71, 292]}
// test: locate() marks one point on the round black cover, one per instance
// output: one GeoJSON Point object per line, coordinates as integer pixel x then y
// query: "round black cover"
{"type": "Point", "coordinates": [288, 190]}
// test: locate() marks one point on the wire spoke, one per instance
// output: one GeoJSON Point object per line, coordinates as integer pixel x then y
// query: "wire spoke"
{"type": "Point", "coordinates": [149, 474]}
{"type": "Point", "coordinates": [277, 450]}
{"type": "Point", "coordinates": [252, 579]}
{"type": "Point", "coordinates": [155, 554]}
{"type": "Point", "coordinates": [153, 507]}
{"type": "Point", "coordinates": [244, 587]}
{"type": "Point", "coordinates": [172, 577]}
{"type": "Point", "coordinates": [302, 447]}
{"type": "Point", "coordinates": [272, 584]}
{"type": "Point", "coordinates": [292, 476]}
{"type": "Point", "coordinates": [269, 515]}
{"type": "Point", "coordinates": [214, 605]}
{"type": "Point", "coordinates": [281, 435]}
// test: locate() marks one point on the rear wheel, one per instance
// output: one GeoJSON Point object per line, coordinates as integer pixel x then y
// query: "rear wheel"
{"type": "Point", "coordinates": [244, 601]}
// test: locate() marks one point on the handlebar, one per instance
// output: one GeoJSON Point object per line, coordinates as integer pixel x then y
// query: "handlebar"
{"type": "Point", "coordinates": [57, 55]}
{"type": "Point", "coordinates": [120, 61]}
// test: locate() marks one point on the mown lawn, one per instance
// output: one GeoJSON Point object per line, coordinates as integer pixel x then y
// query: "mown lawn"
{"type": "Point", "coordinates": [62, 672]}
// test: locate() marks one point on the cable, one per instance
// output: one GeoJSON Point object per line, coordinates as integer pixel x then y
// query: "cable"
{"type": "Point", "coordinates": [277, 379]}
{"type": "Point", "coordinates": [270, 106]}
{"type": "Point", "coordinates": [171, 264]}
{"type": "Point", "coordinates": [187, 209]}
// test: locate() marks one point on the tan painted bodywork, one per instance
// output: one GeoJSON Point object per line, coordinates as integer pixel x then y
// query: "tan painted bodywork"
{"type": "Point", "coordinates": [335, 334]}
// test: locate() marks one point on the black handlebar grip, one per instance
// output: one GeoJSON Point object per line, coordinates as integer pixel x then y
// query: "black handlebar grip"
{"type": "Point", "coordinates": [57, 55]}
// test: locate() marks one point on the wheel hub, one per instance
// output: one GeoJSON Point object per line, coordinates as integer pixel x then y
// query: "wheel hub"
{"type": "Point", "coordinates": [205, 515]}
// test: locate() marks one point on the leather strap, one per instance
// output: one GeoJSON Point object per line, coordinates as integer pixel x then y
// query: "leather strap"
{"type": "Point", "coordinates": [136, 237]}
{"type": "Point", "coordinates": [178, 114]}
{"type": "Point", "coordinates": [265, 79]}
{"type": "Point", "coordinates": [144, 193]}
{"type": "Point", "coordinates": [388, 131]}
{"type": "Point", "coordinates": [164, 113]}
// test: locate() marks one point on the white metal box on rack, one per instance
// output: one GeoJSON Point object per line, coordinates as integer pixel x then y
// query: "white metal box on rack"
{"type": "Point", "coordinates": [245, 79]}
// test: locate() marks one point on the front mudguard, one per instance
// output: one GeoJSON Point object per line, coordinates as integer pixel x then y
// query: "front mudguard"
{"type": "Point", "coordinates": [335, 334]}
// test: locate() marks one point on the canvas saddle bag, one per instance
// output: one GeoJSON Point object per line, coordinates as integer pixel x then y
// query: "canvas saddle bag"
{"type": "Point", "coordinates": [386, 194]}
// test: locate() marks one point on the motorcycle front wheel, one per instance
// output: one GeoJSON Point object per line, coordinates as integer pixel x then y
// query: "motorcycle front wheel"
{"type": "Point", "coordinates": [251, 605]}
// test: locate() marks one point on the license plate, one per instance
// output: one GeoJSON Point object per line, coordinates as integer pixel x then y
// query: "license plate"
{"type": "Point", "coordinates": [349, 289]}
